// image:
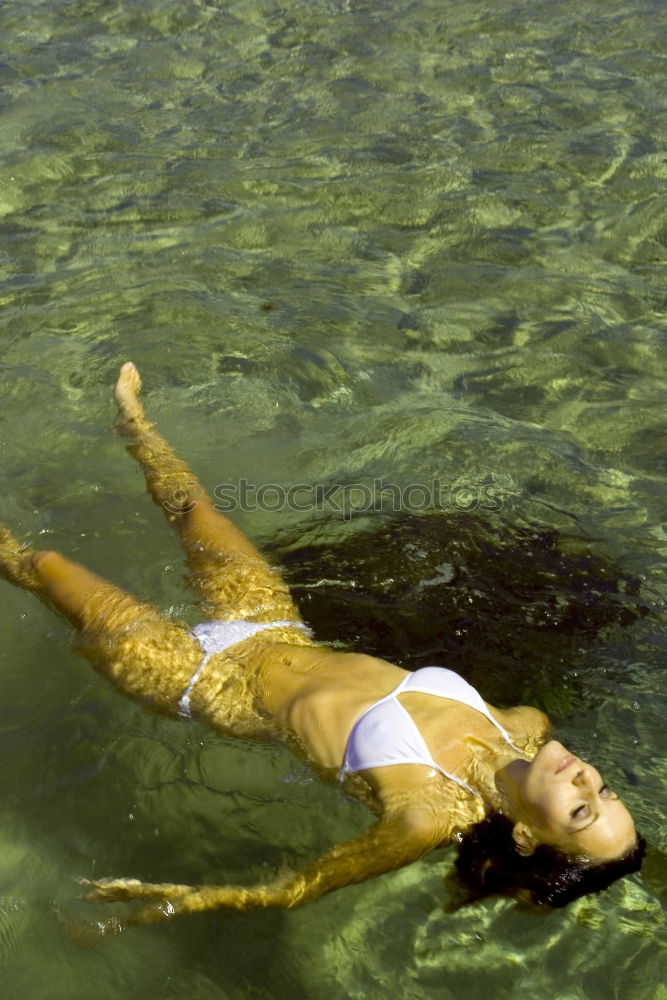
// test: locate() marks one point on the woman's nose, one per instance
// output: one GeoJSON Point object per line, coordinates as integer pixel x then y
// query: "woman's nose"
{"type": "Point", "coordinates": [582, 777]}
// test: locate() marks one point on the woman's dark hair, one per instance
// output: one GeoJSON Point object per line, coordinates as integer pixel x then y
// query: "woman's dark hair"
{"type": "Point", "coordinates": [489, 863]}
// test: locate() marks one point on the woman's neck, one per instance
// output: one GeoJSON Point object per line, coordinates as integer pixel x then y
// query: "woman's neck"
{"type": "Point", "coordinates": [488, 760]}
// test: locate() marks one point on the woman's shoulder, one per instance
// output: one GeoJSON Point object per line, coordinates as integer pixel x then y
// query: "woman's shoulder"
{"type": "Point", "coordinates": [528, 724]}
{"type": "Point", "coordinates": [417, 797]}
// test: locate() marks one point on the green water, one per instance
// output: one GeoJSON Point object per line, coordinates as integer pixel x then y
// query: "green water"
{"type": "Point", "coordinates": [342, 241]}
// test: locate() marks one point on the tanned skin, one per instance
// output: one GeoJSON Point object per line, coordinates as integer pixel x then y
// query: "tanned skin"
{"type": "Point", "coordinates": [278, 685]}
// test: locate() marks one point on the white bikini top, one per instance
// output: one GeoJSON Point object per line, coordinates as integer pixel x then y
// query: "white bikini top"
{"type": "Point", "coordinates": [386, 734]}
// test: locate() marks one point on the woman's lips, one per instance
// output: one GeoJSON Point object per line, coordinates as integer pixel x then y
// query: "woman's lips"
{"type": "Point", "coordinates": [566, 761]}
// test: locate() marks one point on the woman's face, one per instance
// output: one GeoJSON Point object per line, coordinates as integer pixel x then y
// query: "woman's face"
{"type": "Point", "coordinates": [558, 800]}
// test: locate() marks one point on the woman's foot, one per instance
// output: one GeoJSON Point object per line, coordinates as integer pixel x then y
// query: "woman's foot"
{"type": "Point", "coordinates": [126, 392]}
{"type": "Point", "coordinates": [9, 546]}
{"type": "Point", "coordinates": [15, 560]}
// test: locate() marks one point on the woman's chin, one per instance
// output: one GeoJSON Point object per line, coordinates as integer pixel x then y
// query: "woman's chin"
{"type": "Point", "coordinates": [549, 755]}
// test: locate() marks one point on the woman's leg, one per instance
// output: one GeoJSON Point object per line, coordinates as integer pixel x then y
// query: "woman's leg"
{"type": "Point", "coordinates": [147, 657]}
{"type": "Point", "coordinates": [232, 575]}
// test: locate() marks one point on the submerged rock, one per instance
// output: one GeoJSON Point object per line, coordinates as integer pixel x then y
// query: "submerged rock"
{"type": "Point", "coordinates": [515, 608]}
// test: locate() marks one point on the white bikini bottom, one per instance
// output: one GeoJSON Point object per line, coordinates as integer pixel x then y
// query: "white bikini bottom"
{"type": "Point", "coordinates": [214, 637]}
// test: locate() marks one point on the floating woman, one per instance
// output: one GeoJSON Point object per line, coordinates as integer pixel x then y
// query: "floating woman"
{"type": "Point", "coordinates": [422, 750]}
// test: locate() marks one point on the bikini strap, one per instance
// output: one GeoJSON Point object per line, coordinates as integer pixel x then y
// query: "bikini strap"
{"type": "Point", "coordinates": [463, 692]}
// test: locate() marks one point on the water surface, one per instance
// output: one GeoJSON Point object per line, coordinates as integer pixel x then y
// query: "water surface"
{"type": "Point", "coordinates": [343, 241]}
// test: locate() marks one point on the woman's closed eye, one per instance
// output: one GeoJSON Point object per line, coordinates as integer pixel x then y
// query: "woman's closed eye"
{"type": "Point", "coordinates": [606, 793]}
{"type": "Point", "coordinates": [583, 811]}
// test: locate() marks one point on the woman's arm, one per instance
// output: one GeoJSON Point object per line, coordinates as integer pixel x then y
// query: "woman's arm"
{"type": "Point", "coordinates": [389, 844]}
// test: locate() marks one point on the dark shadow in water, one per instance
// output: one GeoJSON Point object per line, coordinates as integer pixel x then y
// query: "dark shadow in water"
{"type": "Point", "coordinates": [516, 609]}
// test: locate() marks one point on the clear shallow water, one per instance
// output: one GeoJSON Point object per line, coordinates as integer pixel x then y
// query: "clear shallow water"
{"type": "Point", "coordinates": [342, 242]}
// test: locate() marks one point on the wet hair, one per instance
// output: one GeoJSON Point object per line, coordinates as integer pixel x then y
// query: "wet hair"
{"type": "Point", "coordinates": [488, 863]}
